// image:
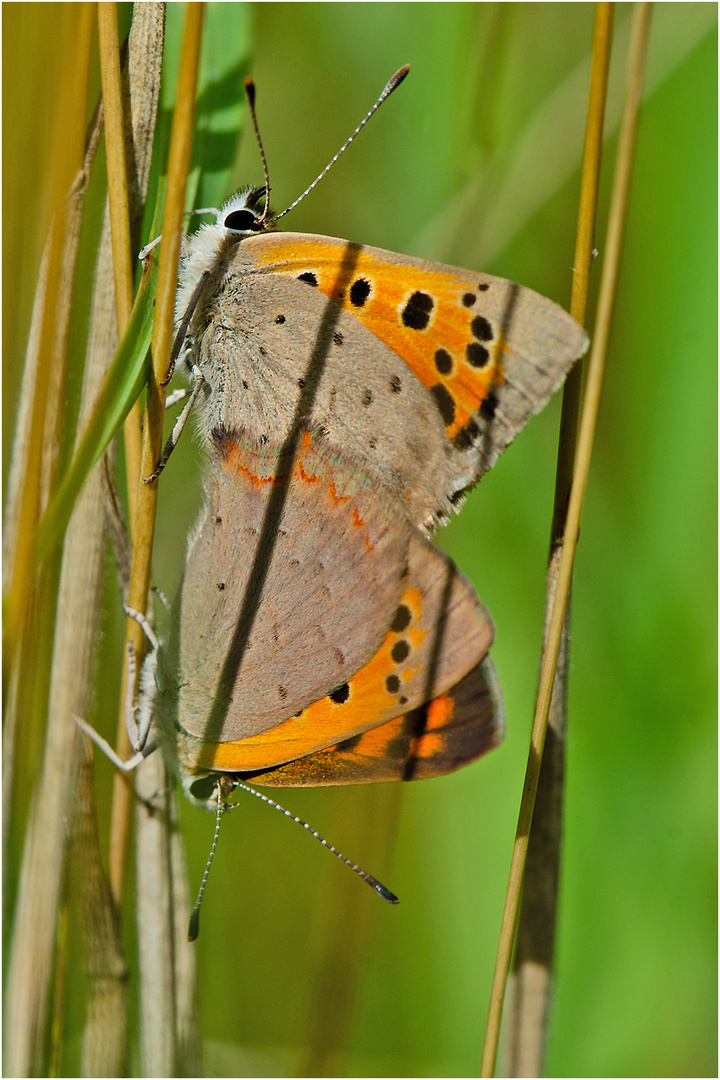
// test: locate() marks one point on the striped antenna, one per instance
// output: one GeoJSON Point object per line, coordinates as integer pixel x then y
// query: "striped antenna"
{"type": "Point", "coordinates": [222, 807]}
{"type": "Point", "coordinates": [250, 92]}
{"type": "Point", "coordinates": [373, 882]}
{"type": "Point", "coordinates": [194, 924]}
{"type": "Point", "coordinates": [391, 85]}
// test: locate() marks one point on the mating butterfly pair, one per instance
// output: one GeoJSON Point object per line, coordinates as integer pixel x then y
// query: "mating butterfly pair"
{"type": "Point", "coordinates": [348, 399]}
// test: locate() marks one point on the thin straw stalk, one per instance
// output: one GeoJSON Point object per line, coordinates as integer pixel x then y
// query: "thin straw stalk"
{"type": "Point", "coordinates": [163, 1016]}
{"type": "Point", "coordinates": [530, 990]}
{"type": "Point", "coordinates": [596, 366]}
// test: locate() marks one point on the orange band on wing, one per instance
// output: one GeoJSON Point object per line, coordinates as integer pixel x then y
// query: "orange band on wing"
{"type": "Point", "coordinates": [438, 714]}
{"type": "Point", "coordinates": [366, 701]}
{"type": "Point", "coordinates": [432, 319]}
{"type": "Point", "coordinates": [235, 457]}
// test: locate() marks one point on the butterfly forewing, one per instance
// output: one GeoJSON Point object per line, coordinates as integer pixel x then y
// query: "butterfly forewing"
{"type": "Point", "coordinates": [489, 352]}
{"type": "Point", "coordinates": [289, 587]}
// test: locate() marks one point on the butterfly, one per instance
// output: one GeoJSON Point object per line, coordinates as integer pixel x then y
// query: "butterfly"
{"type": "Point", "coordinates": [347, 399]}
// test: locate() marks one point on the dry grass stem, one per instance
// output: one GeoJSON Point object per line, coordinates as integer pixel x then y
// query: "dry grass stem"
{"type": "Point", "coordinates": [35, 476]}
{"type": "Point", "coordinates": [119, 200]}
{"type": "Point", "coordinates": [138, 113]}
{"type": "Point", "coordinates": [141, 98]}
{"type": "Point", "coordinates": [169, 1043]}
{"type": "Point", "coordinates": [596, 366]}
{"type": "Point", "coordinates": [77, 633]}
{"type": "Point", "coordinates": [70, 659]}
{"type": "Point", "coordinates": [188, 1045]}
{"type": "Point", "coordinates": [25, 693]}
{"type": "Point", "coordinates": [178, 167]}
{"type": "Point", "coordinates": [530, 988]}
{"type": "Point", "coordinates": [156, 920]}
{"type": "Point", "coordinates": [30, 604]}
{"type": "Point", "coordinates": [155, 927]}
{"type": "Point", "coordinates": [105, 1034]}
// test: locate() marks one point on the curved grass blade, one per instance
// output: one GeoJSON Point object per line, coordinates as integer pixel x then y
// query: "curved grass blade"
{"type": "Point", "coordinates": [121, 388]}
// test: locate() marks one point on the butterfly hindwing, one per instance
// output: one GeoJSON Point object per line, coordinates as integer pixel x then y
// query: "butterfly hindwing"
{"type": "Point", "coordinates": [437, 633]}
{"type": "Point", "coordinates": [448, 732]}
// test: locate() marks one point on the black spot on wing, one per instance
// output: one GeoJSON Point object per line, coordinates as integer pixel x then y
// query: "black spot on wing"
{"type": "Point", "coordinates": [417, 311]}
{"type": "Point", "coordinates": [359, 292]}
{"type": "Point", "coordinates": [466, 436]}
{"type": "Point", "coordinates": [477, 355]}
{"type": "Point", "coordinates": [481, 328]}
{"type": "Point", "coordinates": [443, 361]}
{"type": "Point", "coordinates": [340, 695]}
{"type": "Point", "coordinates": [400, 651]}
{"type": "Point", "coordinates": [445, 403]}
{"type": "Point", "coordinates": [489, 406]}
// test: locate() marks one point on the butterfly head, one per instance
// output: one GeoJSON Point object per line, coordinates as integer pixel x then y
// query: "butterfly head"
{"type": "Point", "coordinates": [202, 788]}
{"type": "Point", "coordinates": [244, 213]}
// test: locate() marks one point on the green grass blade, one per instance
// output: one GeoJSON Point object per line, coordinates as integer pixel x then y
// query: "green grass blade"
{"type": "Point", "coordinates": [121, 388]}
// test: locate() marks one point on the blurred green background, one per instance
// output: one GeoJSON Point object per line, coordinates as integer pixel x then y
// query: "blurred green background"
{"type": "Point", "coordinates": [476, 161]}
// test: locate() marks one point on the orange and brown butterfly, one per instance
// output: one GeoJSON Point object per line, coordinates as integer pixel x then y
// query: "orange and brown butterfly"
{"type": "Point", "coordinates": [348, 398]}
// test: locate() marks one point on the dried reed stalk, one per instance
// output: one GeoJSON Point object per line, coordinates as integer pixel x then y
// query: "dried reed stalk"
{"type": "Point", "coordinates": [531, 985]}
{"type": "Point", "coordinates": [78, 611]}
{"type": "Point", "coordinates": [32, 598]}
{"type": "Point", "coordinates": [608, 286]}
{"type": "Point", "coordinates": [166, 1021]}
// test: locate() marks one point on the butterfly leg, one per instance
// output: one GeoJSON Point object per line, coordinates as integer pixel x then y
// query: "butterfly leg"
{"type": "Point", "coordinates": [137, 718]}
{"type": "Point", "coordinates": [123, 766]}
{"type": "Point", "coordinates": [176, 431]}
{"type": "Point", "coordinates": [161, 597]}
{"type": "Point", "coordinates": [104, 745]}
{"type": "Point", "coordinates": [199, 379]}
{"type": "Point", "coordinates": [144, 252]}
{"type": "Point", "coordinates": [145, 626]}
{"type": "Point", "coordinates": [184, 324]}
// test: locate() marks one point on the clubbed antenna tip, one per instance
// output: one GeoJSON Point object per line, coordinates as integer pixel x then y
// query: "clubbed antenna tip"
{"type": "Point", "coordinates": [388, 89]}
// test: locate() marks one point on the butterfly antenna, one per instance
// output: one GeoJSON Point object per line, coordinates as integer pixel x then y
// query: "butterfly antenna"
{"type": "Point", "coordinates": [250, 92]}
{"type": "Point", "coordinates": [194, 924]}
{"type": "Point", "coordinates": [372, 882]}
{"type": "Point", "coordinates": [392, 85]}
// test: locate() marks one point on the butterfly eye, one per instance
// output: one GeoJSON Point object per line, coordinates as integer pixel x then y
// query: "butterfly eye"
{"type": "Point", "coordinates": [240, 220]}
{"type": "Point", "coordinates": [203, 788]}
